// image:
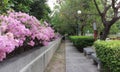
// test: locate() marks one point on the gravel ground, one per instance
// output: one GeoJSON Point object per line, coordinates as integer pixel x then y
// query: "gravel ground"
{"type": "Point", "coordinates": [57, 63]}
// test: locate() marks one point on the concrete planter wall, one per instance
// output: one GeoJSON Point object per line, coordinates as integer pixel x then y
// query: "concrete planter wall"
{"type": "Point", "coordinates": [34, 60]}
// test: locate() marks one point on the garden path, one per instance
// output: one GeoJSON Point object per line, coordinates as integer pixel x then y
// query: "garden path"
{"type": "Point", "coordinates": [76, 61]}
{"type": "Point", "coordinates": [57, 63]}
{"type": "Point", "coordinates": [68, 59]}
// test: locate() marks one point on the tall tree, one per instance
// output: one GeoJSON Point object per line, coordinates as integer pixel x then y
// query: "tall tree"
{"type": "Point", "coordinates": [70, 18]}
{"type": "Point", "coordinates": [109, 13]}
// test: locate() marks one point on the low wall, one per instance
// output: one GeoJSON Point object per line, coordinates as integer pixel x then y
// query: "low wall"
{"type": "Point", "coordinates": [34, 60]}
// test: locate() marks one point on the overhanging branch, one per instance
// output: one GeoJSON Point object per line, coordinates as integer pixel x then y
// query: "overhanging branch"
{"type": "Point", "coordinates": [106, 9]}
{"type": "Point", "coordinates": [114, 19]}
{"type": "Point", "coordinates": [96, 5]}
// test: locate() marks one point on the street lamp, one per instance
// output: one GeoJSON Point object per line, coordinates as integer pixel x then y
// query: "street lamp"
{"type": "Point", "coordinates": [78, 12]}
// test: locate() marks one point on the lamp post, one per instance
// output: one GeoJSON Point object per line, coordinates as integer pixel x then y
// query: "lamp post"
{"type": "Point", "coordinates": [78, 12]}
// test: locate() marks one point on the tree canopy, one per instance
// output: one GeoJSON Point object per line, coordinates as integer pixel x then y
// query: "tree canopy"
{"type": "Point", "coordinates": [38, 8]}
{"type": "Point", "coordinates": [102, 12]}
{"type": "Point", "coordinates": [67, 20]}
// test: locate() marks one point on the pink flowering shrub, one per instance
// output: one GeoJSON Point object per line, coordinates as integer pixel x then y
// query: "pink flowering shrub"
{"type": "Point", "coordinates": [18, 28]}
{"type": "Point", "coordinates": [42, 33]}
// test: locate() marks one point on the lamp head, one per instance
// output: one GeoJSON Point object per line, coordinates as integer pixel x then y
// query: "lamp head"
{"type": "Point", "coordinates": [79, 12]}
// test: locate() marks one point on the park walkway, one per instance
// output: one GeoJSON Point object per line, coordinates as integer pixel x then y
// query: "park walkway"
{"type": "Point", "coordinates": [76, 61]}
{"type": "Point", "coordinates": [68, 59]}
{"type": "Point", "coordinates": [57, 63]}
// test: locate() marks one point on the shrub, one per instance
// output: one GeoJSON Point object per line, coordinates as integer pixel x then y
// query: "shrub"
{"type": "Point", "coordinates": [19, 29]}
{"type": "Point", "coordinates": [109, 54]}
{"type": "Point", "coordinates": [82, 41]}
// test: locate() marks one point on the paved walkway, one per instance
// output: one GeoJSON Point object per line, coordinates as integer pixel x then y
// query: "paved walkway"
{"type": "Point", "coordinates": [57, 63]}
{"type": "Point", "coordinates": [76, 61]}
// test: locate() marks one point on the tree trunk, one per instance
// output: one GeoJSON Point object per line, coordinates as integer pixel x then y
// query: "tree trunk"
{"type": "Point", "coordinates": [82, 30]}
{"type": "Point", "coordinates": [82, 33]}
{"type": "Point", "coordinates": [105, 32]}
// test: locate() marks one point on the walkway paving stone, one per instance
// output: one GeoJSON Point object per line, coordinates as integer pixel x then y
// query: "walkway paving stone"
{"type": "Point", "coordinates": [76, 61]}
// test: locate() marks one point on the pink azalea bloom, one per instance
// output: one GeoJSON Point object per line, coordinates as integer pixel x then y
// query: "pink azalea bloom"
{"type": "Point", "coordinates": [31, 43]}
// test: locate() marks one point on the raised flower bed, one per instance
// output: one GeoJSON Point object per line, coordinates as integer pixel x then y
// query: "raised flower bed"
{"type": "Point", "coordinates": [34, 60]}
{"type": "Point", "coordinates": [24, 42]}
{"type": "Point", "coordinates": [18, 30]}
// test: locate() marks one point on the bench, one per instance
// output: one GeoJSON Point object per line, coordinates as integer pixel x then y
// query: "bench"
{"type": "Point", "coordinates": [88, 51]}
{"type": "Point", "coordinates": [96, 60]}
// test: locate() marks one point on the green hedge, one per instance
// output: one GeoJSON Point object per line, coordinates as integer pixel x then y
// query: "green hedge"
{"type": "Point", "coordinates": [109, 54]}
{"type": "Point", "coordinates": [82, 41]}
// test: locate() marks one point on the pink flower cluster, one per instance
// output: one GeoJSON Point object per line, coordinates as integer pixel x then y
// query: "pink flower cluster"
{"type": "Point", "coordinates": [16, 27]}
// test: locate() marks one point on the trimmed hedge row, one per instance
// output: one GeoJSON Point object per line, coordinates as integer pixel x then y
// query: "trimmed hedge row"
{"type": "Point", "coordinates": [109, 54]}
{"type": "Point", "coordinates": [82, 41]}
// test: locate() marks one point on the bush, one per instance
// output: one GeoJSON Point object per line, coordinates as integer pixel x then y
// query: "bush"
{"type": "Point", "coordinates": [19, 29]}
{"type": "Point", "coordinates": [82, 41]}
{"type": "Point", "coordinates": [109, 54]}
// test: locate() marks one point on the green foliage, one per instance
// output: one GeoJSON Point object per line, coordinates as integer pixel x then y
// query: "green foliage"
{"type": "Point", "coordinates": [5, 5]}
{"type": "Point", "coordinates": [67, 17]}
{"type": "Point", "coordinates": [22, 5]}
{"type": "Point", "coordinates": [109, 54]}
{"type": "Point", "coordinates": [82, 41]}
{"type": "Point", "coordinates": [17, 5]}
{"type": "Point", "coordinates": [115, 28]}
{"type": "Point", "coordinates": [40, 10]}
{"type": "Point", "coordinates": [37, 8]}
